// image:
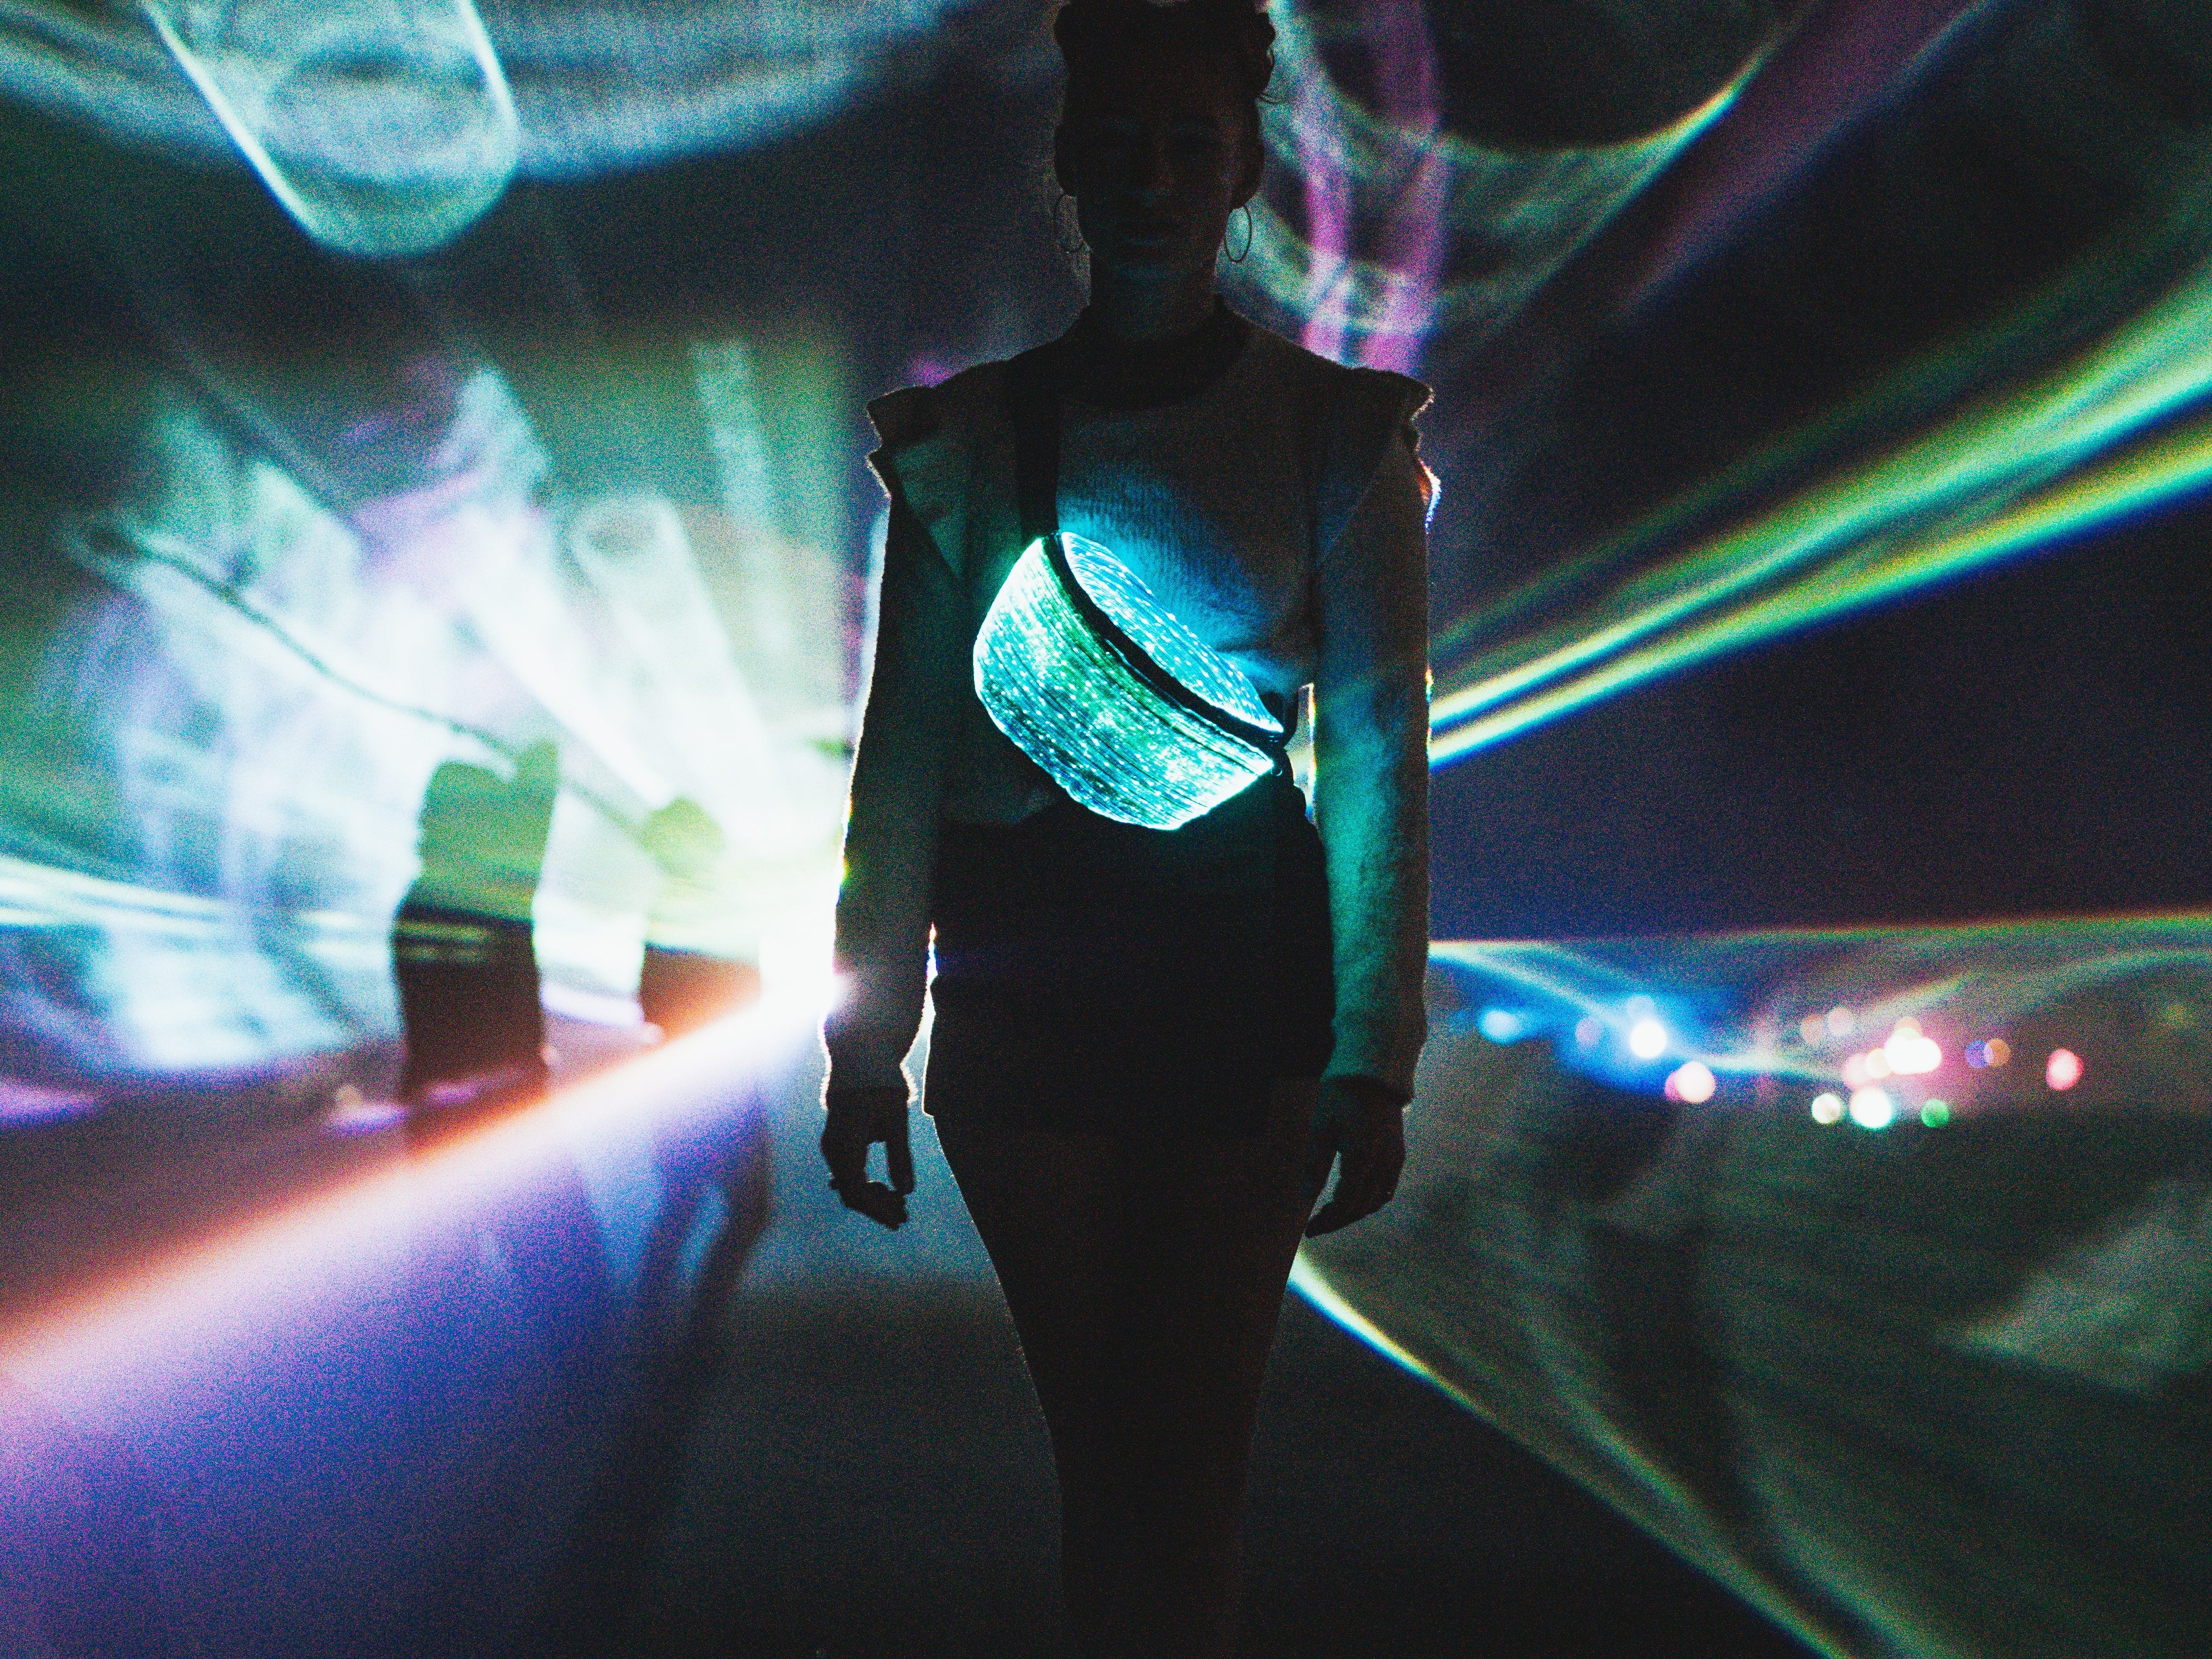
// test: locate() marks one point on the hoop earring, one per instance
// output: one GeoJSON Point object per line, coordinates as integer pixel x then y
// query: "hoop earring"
{"type": "Point", "coordinates": [1239, 258]}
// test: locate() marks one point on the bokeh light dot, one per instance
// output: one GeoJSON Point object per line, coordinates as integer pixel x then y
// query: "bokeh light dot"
{"type": "Point", "coordinates": [1692, 1082]}
{"type": "Point", "coordinates": [2064, 1069]}
{"type": "Point", "coordinates": [1873, 1109]}
{"type": "Point", "coordinates": [1997, 1051]}
{"type": "Point", "coordinates": [1500, 1025]}
{"type": "Point", "coordinates": [1647, 1039]}
{"type": "Point", "coordinates": [1842, 1022]}
{"type": "Point", "coordinates": [1589, 1030]}
{"type": "Point", "coordinates": [1936, 1113]}
{"type": "Point", "coordinates": [1827, 1109]}
{"type": "Point", "coordinates": [1911, 1052]}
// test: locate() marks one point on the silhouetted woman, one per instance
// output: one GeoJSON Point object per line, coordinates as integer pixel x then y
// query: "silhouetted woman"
{"type": "Point", "coordinates": [1150, 1043]}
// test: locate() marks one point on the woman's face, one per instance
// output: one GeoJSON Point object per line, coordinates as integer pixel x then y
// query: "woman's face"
{"type": "Point", "coordinates": [1158, 159]}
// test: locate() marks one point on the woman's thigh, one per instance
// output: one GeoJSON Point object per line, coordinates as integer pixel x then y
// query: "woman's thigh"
{"type": "Point", "coordinates": [1048, 1204]}
{"type": "Point", "coordinates": [1144, 1277]}
{"type": "Point", "coordinates": [1218, 1226]}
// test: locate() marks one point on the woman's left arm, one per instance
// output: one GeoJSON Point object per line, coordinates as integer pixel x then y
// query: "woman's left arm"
{"type": "Point", "coordinates": [1371, 789]}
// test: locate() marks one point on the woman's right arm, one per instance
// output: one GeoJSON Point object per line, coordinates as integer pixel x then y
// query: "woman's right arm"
{"type": "Point", "coordinates": [890, 832]}
{"type": "Point", "coordinates": [890, 854]}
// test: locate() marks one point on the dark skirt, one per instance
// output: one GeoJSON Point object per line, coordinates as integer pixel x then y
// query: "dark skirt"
{"type": "Point", "coordinates": [1096, 975]}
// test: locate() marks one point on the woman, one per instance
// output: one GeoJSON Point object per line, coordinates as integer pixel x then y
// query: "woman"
{"type": "Point", "coordinates": [1151, 1044]}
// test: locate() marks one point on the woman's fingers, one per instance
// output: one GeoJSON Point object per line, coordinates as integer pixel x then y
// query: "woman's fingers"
{"type": "Point", "coordinates": [846, 1156]}
{"type": "Point", "coordinates": [855, 1123]}
{"type": "Point", "coordinates": [898, 1157]}
{"type": "Point", "coordinates": [876, 1201]}
{"type": "Point", "coordinates": [1370, 1153]}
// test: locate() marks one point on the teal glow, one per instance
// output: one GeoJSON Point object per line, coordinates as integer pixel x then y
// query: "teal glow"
{"type": "Point", "coordinates": [1070, 703]}
{"type": "Point", "coordinates": [216, 767]}
{"type": "Point", "coordinates": [1123, 595]}
{"type": "Point", "coordinates": [386, 125]}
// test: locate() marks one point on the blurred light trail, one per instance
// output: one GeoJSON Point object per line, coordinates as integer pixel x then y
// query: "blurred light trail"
{"type": "Point", "coordinates": [543, 91]}
{"type": "Point", "coordinates": [2080, 448]}
{"type": "Point", "coordinates": [279, 677]}
{"type": "Point", "coordinates": [412, 1384]}
{"type": "Point", "coordinates": [1752, 1004]}
{"type": "Point", "coordinates": [146, 574]}
{"type": "Point", "coordinates": [371, 161]}
{"type": "Point", "coordinates": [1390, 202]}
{"type": "Point", "coordinates": [1886, 1282]}
{"type": "Point", "coordinates": [191, 1323]}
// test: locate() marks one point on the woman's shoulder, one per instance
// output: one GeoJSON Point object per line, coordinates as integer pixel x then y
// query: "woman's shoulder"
{"type": "Point", "coordinates": [1340, 392]}
{"type": "Point", "coordinates": [951, 406]}
{"type": "Point", "coordinates": [1360, 418]}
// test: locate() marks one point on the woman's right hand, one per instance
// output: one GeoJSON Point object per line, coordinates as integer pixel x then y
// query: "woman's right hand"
{"type": "Point", "coordinates": [857, 1118]}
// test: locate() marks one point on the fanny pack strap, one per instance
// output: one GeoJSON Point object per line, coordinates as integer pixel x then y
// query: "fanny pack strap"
{"type": "Point", "coordinates": [1033, 409]}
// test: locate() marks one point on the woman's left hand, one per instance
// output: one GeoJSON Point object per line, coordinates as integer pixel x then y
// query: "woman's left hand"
{"type": "Point", "coordinates": [1359, 1126]}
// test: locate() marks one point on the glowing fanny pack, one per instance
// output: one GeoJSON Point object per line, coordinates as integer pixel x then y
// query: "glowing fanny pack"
{"type": "Point", "coordinates": [1091, 676]}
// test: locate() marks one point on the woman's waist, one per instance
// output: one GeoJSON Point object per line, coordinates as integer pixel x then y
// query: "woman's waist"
{"type": "Point", "coordinates": [1238, 843]}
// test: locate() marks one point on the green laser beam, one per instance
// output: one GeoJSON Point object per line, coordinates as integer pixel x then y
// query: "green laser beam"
{"type": "Point", "coordinates": [2158, 471]}
{"type": "Point", "coordinates": [2013, 470]}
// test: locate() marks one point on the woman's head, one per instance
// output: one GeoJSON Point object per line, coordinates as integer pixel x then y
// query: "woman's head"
{"type": "Point", "coordinates": [1159, 134]}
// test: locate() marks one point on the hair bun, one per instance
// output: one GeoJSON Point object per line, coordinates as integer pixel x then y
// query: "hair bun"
{"type": "Point", "coordinates": [1090, 30]}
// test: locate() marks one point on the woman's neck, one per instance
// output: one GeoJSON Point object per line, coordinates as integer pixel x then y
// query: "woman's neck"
{"type": "Point", "coordinates": [1100, 367]}
{"type": "Point", "coordinates": [1148, 312]}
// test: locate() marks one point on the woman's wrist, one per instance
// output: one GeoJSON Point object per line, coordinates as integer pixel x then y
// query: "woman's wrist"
{"type": "Point", "coordinates": [1355, 1091]}
{"type": "Point", "coordinates": [870, 1099]}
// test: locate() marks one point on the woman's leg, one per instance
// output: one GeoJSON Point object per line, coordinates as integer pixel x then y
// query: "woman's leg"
{"type": "Point", "coordinates": [1217, 1222]}
{"type": "Point", "coordinates": [1145, 1281]}
{"type": "Point", "coordinates": [1049, 1205]}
